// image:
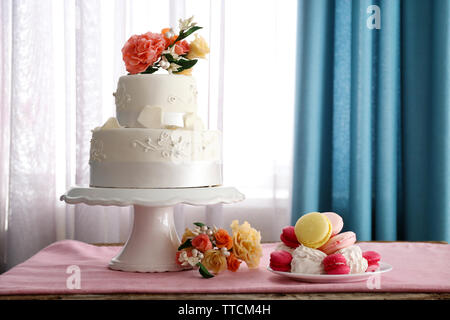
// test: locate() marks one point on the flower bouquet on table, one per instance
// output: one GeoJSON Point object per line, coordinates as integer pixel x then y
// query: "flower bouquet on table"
{"type": "Point", "coordinates": [214, 250]}
{"type": "Point", "coordinates": [149, 52]}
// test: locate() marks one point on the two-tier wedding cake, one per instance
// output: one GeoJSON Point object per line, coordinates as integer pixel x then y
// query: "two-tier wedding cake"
{"type": "Point", "coordinates": [157, 139]}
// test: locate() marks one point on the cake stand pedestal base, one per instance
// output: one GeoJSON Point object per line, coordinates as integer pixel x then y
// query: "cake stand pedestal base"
{"type": "Point", "coordinates": [153, 240]}
{"type": "Point", "coordinates": [152, 243]}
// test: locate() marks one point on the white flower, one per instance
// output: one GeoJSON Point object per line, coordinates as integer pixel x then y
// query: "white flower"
{"type": "Point", "coordinates": [197, 230]}
{"type": "Point", "coordinates": [173, 67]}
{"type": "Point", "coordinates": [163, 63]}
{"type": "Point", "coordinates": [186, 23]}
{"type": "Point", "coordinates": [225, 252]}
{"type": "Point", "coordinates": [171, 51]}
{"type": "Point", "coordinates": [192, 261]}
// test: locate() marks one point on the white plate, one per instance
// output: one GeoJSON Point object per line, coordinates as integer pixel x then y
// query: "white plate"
{"type": "Point", "coordinates": [333, 278]}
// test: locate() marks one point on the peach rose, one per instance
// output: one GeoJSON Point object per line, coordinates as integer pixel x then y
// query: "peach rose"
{"type": "Point", "coordinates": [246, 243]}
{"type": "Point", "coordinates": [141, 51]}
{"type": "Point", "coordinates": [233, 263]}
{"type": "Point", "coordinates": [214, 261]}
{"type": "Point", "coordinates": [182, 47]}
{"type": "Point", "coordinates": [223, 239]}
{"type": "Point", "coordinates": [202, 243]}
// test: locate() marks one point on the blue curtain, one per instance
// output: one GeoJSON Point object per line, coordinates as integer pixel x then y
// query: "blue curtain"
{"type": "Point", "coordinates": [372, 139]}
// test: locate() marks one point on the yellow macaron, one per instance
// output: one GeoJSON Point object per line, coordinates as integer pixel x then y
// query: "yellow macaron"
{"type": "Point", "coordinates": [313, 229]}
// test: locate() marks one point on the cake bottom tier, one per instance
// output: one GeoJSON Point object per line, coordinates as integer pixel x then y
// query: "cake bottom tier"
{"type": "Point", "coordinates": [155, 174]}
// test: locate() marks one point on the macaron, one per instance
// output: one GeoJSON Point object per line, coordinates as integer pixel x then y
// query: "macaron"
{"type": "Point", "coordinates": [280, 261]}
{"type": "Point", "coordinates": [335, 264]}
{"type": "Point", "coordinates": [289, 238]}
{"type": "Point", "coordinates": [338, 242]}
{"type": "Point", "coordinates": [372, 258]}
{"type": "Point", "coordinates": [313, 229]}
{"type": "Point", "coordinates": [336, 222]}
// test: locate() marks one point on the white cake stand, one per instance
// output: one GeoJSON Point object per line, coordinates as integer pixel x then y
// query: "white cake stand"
{"type": "Point", "coordinates": [153, 240]}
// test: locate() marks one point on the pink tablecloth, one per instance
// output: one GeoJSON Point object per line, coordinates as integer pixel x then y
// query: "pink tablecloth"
{"type": "Point", "coordinates": [418, 267]}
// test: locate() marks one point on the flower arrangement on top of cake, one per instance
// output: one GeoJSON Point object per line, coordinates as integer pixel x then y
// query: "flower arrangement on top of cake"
{"type": "Point", "coordinates": [149, 52]}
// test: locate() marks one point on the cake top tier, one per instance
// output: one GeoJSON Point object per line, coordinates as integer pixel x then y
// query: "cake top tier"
{"type": "Point", "coordinates": [165, 98]}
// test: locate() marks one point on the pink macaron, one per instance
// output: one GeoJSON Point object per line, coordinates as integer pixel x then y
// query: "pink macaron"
{"type": "Point", "coordinates": [338, 242]}
{"type": "Point", "coordinates": [335, 264]}
{"type": "Point", "coordinates": [289, 238]}
{"type": "Point", "coordinates": [280, 261]}
{"type": "Point", "coordinates": [336, 222]}
{"type": "Point", "coordinates": [372, 258]}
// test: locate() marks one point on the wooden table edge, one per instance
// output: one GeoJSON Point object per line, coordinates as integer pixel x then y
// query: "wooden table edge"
{"type": "Point", "coordinates": [242, 296]}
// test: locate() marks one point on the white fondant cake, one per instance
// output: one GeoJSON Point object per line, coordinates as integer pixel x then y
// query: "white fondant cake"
{"type": "Point", "coordinates": [157, 141]}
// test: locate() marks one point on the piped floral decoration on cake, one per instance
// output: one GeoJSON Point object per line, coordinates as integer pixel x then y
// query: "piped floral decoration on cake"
{"type": "Point", "coordinates": [149, 52]}
{"type": "Point", "coordinates": [214, 250]}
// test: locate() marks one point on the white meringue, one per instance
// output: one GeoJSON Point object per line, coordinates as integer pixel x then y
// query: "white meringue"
{"type": "Point", "coordinates": [307, 260]}
{"type": "Point", "coordinates": [355, 260]}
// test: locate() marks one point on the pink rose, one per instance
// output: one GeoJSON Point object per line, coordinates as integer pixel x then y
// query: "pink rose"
{"type": "Point", "coordinates": [289, 238]}
{"type": "Point", "coordinates": [141, 51]}
{"type": "Point", "coordinates": [202, 242]}
{"type": "Point", "coordinates": [182, 47]}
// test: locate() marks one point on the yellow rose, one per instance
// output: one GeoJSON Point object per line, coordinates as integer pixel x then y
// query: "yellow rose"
{"type": "Point", "coordinates": [198, 48]}
{"type": "Point", "coordinates": [246, 243]}
{"type": "Point", "coordinates": [187, 234]}
{"type": "Point", "coordinates": [214, 261]}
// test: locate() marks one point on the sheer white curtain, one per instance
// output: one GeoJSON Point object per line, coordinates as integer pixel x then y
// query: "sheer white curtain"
{"type": "Point", "coordinates": [60, 64]}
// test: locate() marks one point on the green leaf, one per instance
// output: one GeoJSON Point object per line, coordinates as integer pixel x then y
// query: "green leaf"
{"type": "Point", "coordinates": [199, 224]}
{"type": "Point", "coordinates": [149, 70]}
{"type": "Point", "coordinates": [170, 58]}
{"type": "Point", "coordinates": [186, 64]}
{"type": "Point", "coordinates": [186, 244]}
{"type": "Point", "coordinates": [183, 62]}
{"type": "Point", "coordinates": [203, 271]}
{"type": "Point", "coordinates": [184, 34]}
{"type": "Point", "coordinates": [189, 31]}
